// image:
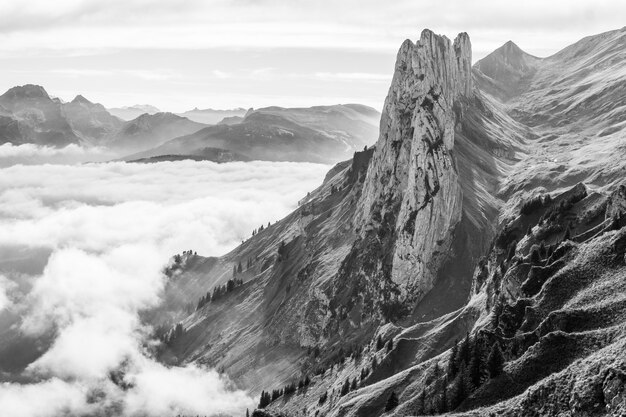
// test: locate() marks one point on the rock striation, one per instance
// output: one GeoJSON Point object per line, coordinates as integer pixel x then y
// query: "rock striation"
{"type": "Point", "coordinates": [412, 195]}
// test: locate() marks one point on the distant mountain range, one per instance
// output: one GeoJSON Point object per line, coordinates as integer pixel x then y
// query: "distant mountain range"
{"type": "Point", "coordinates": [132, 112]}
{"type": "Point", "coordinates": [212, 117]}
{"type": "Point", "coordinates": [317, 134]}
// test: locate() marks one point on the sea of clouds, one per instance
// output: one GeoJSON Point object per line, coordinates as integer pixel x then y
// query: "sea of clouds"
{"type": "Point", "coordinates": [82, 250]}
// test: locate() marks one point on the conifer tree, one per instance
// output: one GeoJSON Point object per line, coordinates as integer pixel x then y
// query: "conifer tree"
{"type": "Point", "coordinates": [465, 350]}
{"type": "Point", "coordinates": [390, 345]}
{"type": "Point", "coordinates": [436, 370]}
{"type": "Point", "coordinates": [443, 403]}
{"type": "Point", "coordinates": [462, 386]}
{"type": "Point", "coordinates": [379, 343]}
{"type": "Point", "coordinates": [345, 388]}
{"type": "Point", "coordinates": [392, 401]}
{"type": "Point", "coordinates": [477, 367]}
{"type": "Point", "coordinates": [495, 361]}
{"type": "Point", "coordinates": [453, 365]}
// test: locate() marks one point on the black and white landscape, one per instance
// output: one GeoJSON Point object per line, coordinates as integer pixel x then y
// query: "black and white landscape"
{"type": "Point", "coordinates": [310, 215]}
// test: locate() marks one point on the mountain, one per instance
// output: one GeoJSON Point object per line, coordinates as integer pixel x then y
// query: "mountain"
{"type": "Point", "coordinates": [150, 130]}
{"type": "Point", "coordinates": [29, 115]}
{"type": "Point", "coordinates": [316, 134]}
{"type": "Point", "coordinates": [210, 116]}
{"type": "Point", "coordinates": [91, 121]}
{"type": "Point", "coordinates": [132, 112]}
{"type": "Point", "coordinates": [508, 68]}
{"type": "Point", "coordinates": [490, 212]}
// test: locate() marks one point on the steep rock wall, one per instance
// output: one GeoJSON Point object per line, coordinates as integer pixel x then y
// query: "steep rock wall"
{"type": "Point", "coordinates": [411, 200]}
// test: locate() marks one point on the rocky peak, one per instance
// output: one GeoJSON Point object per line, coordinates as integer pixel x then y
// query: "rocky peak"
{"type": "Point", "coordinates": [79, 99]}
{"type": "Point", "coordinates": [411, 199]}
{"type": "Point", "coordinates": [506, 71]}
{"type": "Point", "coordinates": [26, 91]}
{"type": "Point", "coordinates": [507, 58]}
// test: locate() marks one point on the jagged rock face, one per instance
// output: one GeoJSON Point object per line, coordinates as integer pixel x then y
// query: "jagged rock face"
{"type": "Point", "coordinates": [412, 196]}
{"type": "Point", "coordinates": [34, 118]}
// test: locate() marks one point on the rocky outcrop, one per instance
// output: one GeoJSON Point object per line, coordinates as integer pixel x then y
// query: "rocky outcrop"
{"type": "Point", "coordinates": [412, 197]}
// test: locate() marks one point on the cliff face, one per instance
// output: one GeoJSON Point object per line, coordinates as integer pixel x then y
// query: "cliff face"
{"type": "Point", "coordinates": [444, 228]}
{"type": "Point", "coordinates": [387, 235]}
{"type": "Point", "coordinates": [412, 196]}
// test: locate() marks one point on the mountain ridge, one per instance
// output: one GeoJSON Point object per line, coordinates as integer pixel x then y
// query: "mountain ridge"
{"type": "Point", "coordinates": [512, 248]}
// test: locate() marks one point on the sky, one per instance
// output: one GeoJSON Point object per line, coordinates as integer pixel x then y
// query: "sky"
{"type": "Point", "coordinates": [82, 251]}
{"type": "Point", "coordinates": [181, 54]}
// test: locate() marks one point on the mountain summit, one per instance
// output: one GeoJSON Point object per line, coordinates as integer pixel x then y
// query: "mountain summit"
{"type": "Point", "coordinates": [507, 68]}
{"type": "Point", "coordinates": [472, 262]}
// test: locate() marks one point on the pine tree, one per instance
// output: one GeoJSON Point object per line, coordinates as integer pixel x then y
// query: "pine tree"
{"type": "Point", "coordinates": [239, 268]}
{"type": "Point", "coordinates": [443, 404]}
{"type": "Point", "coordinates": [390, 345]}
{"type": "Point", "coordinates": [392, 401]}
{"type": "Point", "coordinates": [465, 350]}
{"type": "Point", "coordinates": [247, 413]}
{"type": "Point", "coordinates": [453, 365]}
{"type": "Point", "coordinates": [535, 256]}
{"type": "Point", "coordinates": [462, 386]}
{"type": "Point", "coordinates": [353, 385]}
{"type": "Point", "coordinates": [477, 367]}
{"type": "Point", "coordinates": [345, 388]}
{"type": "Point", "coordinates": [379, 343]}
{"type": "Point", "coordinates": [495, 361]}
{"type": "Point", "coordinates": [436, 370]}
{"type": "Point", "coordinates": [282, 250]}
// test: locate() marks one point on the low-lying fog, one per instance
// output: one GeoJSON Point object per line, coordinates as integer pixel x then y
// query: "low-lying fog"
{"type": "Point", "coordinates": [82, 247]}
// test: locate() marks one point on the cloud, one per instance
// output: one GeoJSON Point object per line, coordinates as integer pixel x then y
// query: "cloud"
{"type": "Point", "coordinates": [363, 24]}
{"type": "Point", "coordinates": [111, 228]}
{"type": "Point", "coordinates": [30, 154]}
{"type": "Point", "coordinates": [5, 287]}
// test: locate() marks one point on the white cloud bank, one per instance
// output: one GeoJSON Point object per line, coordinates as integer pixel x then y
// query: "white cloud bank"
{"type": "Point", "coordinates": [111, 228]}
{"type": "Point", "coordinates": [30, 154]}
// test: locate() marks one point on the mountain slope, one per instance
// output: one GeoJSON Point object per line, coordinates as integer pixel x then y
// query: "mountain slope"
{"type": "Point", "coordinates": [504, 72]}
{"type": "Point", "coordinates": [29, 115]}
{"type": "Point", "coordinates": [91, 121]}
{"type": "Point", "coordinates": [318, 134]}
{"type": "Point", "coordinates": [150, 130]}
{"type": "Point", "coordinates": [489, 215]}
{"type": "Point", "coordinates": [341, 272]}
